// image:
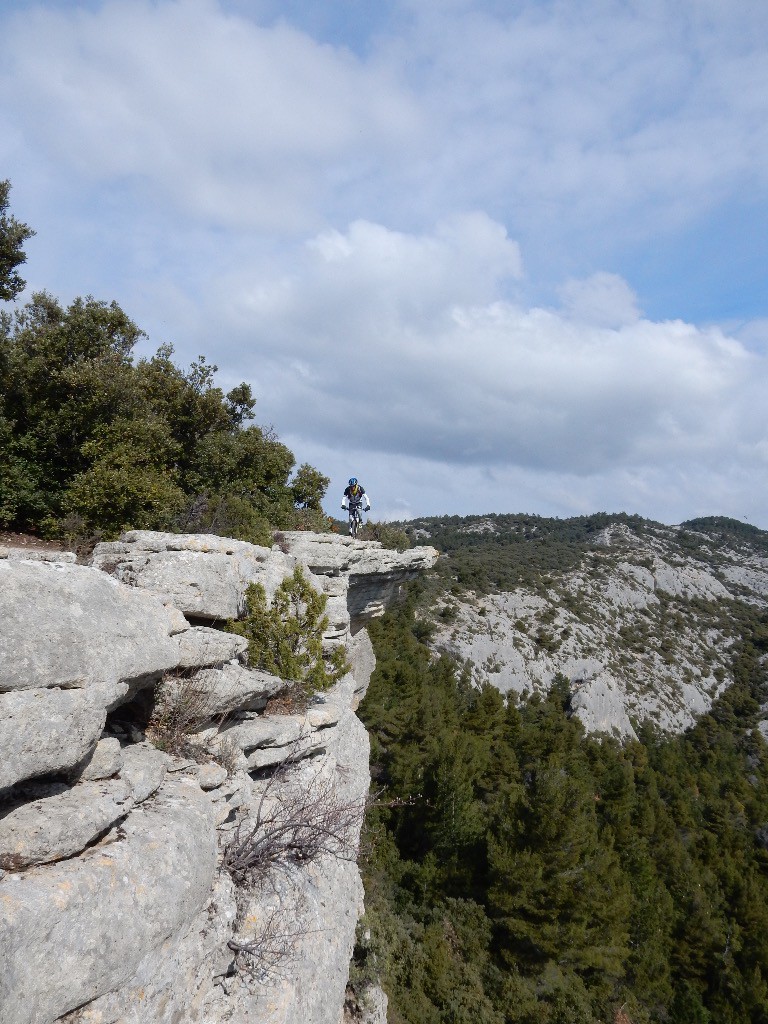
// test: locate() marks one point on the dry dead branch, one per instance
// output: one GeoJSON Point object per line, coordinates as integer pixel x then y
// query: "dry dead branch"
{"type": "Point", "coordinates": [296, 821]}
{"type": "Point", "coordinates": [271, 948]}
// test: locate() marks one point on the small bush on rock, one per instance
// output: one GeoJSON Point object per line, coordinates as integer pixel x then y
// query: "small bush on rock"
{"type": "Point", "coordinates": [388, 536]}
{"type": "Point", "coordinates": [286, 639]}
{"type": "Point", "coordinates": [180, 709]}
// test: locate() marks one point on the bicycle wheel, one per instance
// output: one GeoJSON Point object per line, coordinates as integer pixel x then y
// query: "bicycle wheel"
{"type": "Point", "coordinates": [353, 522]}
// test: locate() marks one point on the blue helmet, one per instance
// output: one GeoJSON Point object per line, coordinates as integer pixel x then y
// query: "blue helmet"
{"type": "Point", "coordinates": [352, 481]}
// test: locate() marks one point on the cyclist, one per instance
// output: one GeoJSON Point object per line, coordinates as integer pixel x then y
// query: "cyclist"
{"type": "Point", "coordinates": [354, 496]}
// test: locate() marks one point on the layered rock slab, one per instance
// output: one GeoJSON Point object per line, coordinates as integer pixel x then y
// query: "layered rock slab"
{"type": "Point", "coordinates": [62, 822]}
{"type": "Point", "coordinates": [375, 573]}
{"type": "Point", "coordinates": [134, 930]}
{"type": "Point", "coordinates": [73, 931]}
{"type": "Point", "coordinates": [47, 731]}
{"type": "Point", "coordinates": [205, 576]}
{"type": "Point", "coordinates": [70, 626]}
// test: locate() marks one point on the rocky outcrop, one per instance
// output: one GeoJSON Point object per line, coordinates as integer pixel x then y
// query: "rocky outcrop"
{"type": "Point", "coordinates": [374, 574]}
{"type": "Point", "coordinates": [105, 910]}
{"type": "Point", "coordinates": [114, 906]}
{"type": "Point", "coordinates": [640, 630]}
{"type": "Point", "coordinates": [205, 577]}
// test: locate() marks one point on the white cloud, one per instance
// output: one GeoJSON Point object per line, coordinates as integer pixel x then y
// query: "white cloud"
{"type": "Point", "coordinates": [603, 300]}
{"type": "Point", "coordinates": [238, 124]}
{"type": "Point", "coordinates": [581, 113]}
{"type": "Point", "coordinates": [408, 336]}
{"type": "Point", "coordinates": [552, 118]}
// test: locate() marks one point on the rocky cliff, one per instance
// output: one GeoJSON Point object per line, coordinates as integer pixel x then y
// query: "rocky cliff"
{"type": "Point", "coordinates": [641, 624]}
{"type": "Point", "coordinates": [124, 889]}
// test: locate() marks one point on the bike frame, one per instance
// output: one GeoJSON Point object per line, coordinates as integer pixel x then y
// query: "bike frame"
{"type": "Point", "coordinates": [355, 519]}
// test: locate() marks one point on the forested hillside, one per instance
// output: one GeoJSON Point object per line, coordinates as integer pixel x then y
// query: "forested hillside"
{"type": "Point", "coordinates": [94, 440]}
{"type": "Point", "coordinates": [521, 871]}
{"type": "Point", "coordinates": [640, 617]}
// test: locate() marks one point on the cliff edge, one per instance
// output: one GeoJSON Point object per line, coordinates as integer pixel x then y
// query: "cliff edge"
{"type": "Point", "coordinates": [128, 891]}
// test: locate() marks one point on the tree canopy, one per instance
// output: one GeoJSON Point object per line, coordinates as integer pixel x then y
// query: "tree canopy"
{"type": "Point", "coordinates": [13, 235]}
{"type": "Point", "coordinates": [521, 872]}
{"type": "Point", "coordinates": [94, 440]}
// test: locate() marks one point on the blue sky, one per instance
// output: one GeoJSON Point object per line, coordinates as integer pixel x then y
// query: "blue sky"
{"type": "Point", "coordinates": [483, 255]}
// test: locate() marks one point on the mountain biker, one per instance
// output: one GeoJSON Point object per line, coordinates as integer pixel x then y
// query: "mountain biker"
{"type": "Point", "coordinates": [354, 496]}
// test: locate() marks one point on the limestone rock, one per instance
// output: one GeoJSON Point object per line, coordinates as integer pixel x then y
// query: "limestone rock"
{"type": "Point", "coordinates": [332, 554]}
{"type": "Point", "coordinates": [173, 981]}
{"type": "Point", "coordinates": [267, 731]}
{"type": "Point", "coordinates": [324, 900]}
{"type": "Point", "coordinates": [268, 757]}
{"type": "Point", "coordinates": [235, 687]}
{"type": "Point", "coordinates": [362, 662]}
{"type": "Point", "coordinates": [70, 626]}
{"type": "Point", "coordinates": [323, 714]}
{"type": "Point", "coordinates": [37, 555]}
{"type": "Point", "coordinates": [144, 769]}
{"type": "Point", "coordinates": [375, 573]}
{"type": "Point", "coordinates": [201, 646]}
{"type": "Point", "coordinates": [269, 739]}
{"type": "Point", "coordinates": [130, 925]}
{"type": "Point", "coordinates": [106, 911]}
{"type": "Point", "coordinates": [48, 730]}
{"type": "Point", "coordinates": [203, 575]}
{"type": "Point", "coordinates": [106, 759]}
{"type": "Point", "coordinates": [61, 822]}
{"type": "Point", "coordinates": [599, 703]}
{"type": "Point", "coordinates": [208, 776]}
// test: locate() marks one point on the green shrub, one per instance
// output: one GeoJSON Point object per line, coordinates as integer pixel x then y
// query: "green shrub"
{"type": "Point", "coordinates": [286, 639]}
{"type": "Point", "coordinates": [388, 536]}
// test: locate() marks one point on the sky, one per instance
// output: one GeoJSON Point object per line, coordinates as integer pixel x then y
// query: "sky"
{"type": "Point", "coordinates": [485, 255]}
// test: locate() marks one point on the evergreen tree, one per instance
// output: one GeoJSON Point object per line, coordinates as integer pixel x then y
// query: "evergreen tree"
{"type": "Point", "coordinates": [13, 235]}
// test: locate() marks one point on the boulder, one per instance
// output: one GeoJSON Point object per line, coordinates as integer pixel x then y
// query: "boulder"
{"type": "Point", "coordinates": [208, 775]}
{"type": "Point", "coordinates": [202, 647]}
{"type": "Point", "coordinates": [235, 688]}
{"type": "Point", "coordinates": [205, 576]}
{"type": "Point", "coordinates": [106, 759]}
{"type": "Point", "coordinates": [144, 769]}
{"type": "Point", "coordinates": [71, 626]}
{"type": "Point", "coordinates": [48, 730]}
{"type": "Point", "coordinates": [104, 912]}
{"type": "Point", "coordinates": [61, 822]}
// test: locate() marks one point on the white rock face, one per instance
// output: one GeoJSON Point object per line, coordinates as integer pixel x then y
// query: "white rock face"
{"type": "Point", "coordinates": [375, 573]}
{"type": "Point", "coordinates": [104, 760]}
{"type": "Point", "coordinates": [204, 576]}
{"type": "Point", "coordinates": [113, 905]}
{"type": "Point", "coordinates": [236, 688]}
{"type": "Point", "coordinates": [49, 730]}
{"type": "Point", "coordinates": [70, 626]}
{"type": "Point", "coordinates": [60, 824]}
{"type": "Point", "coordinates": [636, 630]}
{"type": "Point", "coordinates": [154, 878]}
{"type": "Point", "coordinates": [201, 646]}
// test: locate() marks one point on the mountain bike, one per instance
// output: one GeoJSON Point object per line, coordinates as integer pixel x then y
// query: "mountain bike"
{"type": "Point", "coordinates": [355, 520]}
